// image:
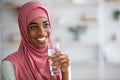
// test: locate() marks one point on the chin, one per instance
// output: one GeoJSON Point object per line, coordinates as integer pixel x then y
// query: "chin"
{"type": "Point", "coordinates": [42, 46]}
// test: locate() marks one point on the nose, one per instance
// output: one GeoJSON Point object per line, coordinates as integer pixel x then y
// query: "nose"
{"type": "Point", "coordinates": [41, 30]}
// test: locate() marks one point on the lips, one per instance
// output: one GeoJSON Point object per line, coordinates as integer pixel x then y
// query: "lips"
{"type": "Point", "coordinates": [42, 40]}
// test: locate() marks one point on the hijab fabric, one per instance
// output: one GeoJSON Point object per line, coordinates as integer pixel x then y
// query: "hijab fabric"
{"type": "Point", "coordinates": [29, 62]}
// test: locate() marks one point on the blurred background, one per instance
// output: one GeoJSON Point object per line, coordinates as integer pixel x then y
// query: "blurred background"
{"type": "Point", "coordinates": [89, 32]}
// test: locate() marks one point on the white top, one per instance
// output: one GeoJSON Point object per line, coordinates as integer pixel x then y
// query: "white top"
{"type": "Point", "coordinates": [7, 70]}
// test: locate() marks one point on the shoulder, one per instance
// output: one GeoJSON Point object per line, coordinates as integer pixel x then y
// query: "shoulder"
{"type": "Point", "coordinates": [12, 58]}
{"type": "Point", "coordinates": [7, 70]}
{"type": "Point", "coordinates": [6, 63]}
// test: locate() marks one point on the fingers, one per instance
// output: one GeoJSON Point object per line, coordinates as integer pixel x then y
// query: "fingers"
{"type": "Point", "coordinates": [60, 59]}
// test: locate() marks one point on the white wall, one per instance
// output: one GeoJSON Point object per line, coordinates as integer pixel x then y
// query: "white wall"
{"type": "Point", "coordinates": [84, 53]}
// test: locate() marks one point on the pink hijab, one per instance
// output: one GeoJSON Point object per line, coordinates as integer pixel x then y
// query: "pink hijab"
{"type": "Point", "coordinates": [31, 63]}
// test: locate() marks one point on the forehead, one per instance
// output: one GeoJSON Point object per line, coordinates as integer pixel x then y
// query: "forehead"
{"type": "Point", "coordinates": [40, 19]}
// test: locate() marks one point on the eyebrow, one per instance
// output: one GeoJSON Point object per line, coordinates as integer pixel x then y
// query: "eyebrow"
{"type": "Point", "coordinates": [36, 23]}
{"type": "Point", "coordinates": [45, 21]}
{"type": "Point", "coordinates": [32, 23]}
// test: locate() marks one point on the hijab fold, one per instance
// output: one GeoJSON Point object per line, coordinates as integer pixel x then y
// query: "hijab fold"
{"type": "Point", "coordinates": [29, 62]}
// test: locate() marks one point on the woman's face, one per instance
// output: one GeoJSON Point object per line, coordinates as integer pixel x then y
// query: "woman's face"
{"type": "Point", "coordinates": [38, 32]}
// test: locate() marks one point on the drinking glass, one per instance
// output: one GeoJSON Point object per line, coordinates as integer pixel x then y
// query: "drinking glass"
{"type": "Point", "coordinates": [51, 51]}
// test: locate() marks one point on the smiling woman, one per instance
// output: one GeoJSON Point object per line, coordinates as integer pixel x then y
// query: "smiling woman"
{"type": "Point", "coordinates": [38, 32]}
{"type": "Point", "coordinates": [31, 61]}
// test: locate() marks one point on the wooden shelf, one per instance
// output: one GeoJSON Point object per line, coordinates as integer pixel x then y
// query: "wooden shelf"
{"type": "Point", "coordinates": [10, 25]}
{"type": "Point", "coordinates": [68, 4]}
{"type": "Point", "coordinates": [80, 43]}
{"type": "Point", "coordinates": [92, 63]}
{"type": "Point", "coordinates": [10, 44]}
{"type": "Point", "coordinates": [113, 42]}
{"type": "Point", "coordinates": [112, 2]}
{"type": "Point", "coordinates": [113, 22]}
{"type": "Point", "coordinates": [117, 64]}
{"type": "Point", "coordinates": [80, 22]}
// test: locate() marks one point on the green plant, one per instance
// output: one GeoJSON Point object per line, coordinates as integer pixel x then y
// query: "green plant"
{"type": "Point", "coordinates": [77, 30]}
{"type": "Point", "coordinates": [116, 14]}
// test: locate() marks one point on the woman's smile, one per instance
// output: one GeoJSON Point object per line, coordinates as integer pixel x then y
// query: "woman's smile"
{"type": "Point", "coordinates": [42, 40]}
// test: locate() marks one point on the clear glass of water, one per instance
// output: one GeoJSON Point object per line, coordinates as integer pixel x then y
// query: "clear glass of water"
{"type": "Point", "coordinates": [51, 51]}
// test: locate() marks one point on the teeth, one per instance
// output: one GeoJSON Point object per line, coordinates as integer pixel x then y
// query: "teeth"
{"type": "Point", "coordinates": [41, 39]}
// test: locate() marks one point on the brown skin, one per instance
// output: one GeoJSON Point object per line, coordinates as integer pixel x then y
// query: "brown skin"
{"type": "Point", "coordinates": [38, 33]}
{"type": "Point", "coordinates": [61, 60]}
{"type": "Point", "coordinates": [38, 29]}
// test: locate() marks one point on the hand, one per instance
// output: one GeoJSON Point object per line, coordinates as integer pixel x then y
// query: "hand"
{"type": "Point", "coordinates": [60, 60]}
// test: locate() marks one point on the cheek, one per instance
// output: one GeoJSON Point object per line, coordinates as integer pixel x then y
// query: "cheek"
{"type": "Point", "coordinates": [30, 34]}
{"type": "Point", "coordinates": [48, 33]}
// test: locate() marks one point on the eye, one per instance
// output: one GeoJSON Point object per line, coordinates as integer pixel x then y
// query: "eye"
{"type": "Point", "coordinates": [46, 25]}
{"type": "Point", "coordinates": [33, 27]}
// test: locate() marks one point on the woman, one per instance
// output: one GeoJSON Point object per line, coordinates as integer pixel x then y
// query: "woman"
{"type": "Point", "coordinates": [30, 62]}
